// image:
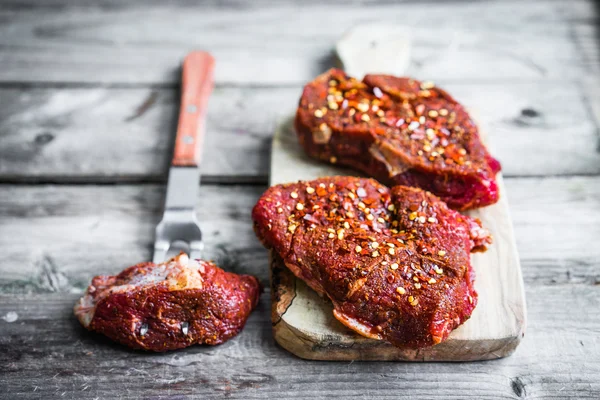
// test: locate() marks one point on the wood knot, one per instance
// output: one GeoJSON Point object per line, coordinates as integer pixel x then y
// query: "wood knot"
{"type": "Point", "coordinates": [44, 138]}
{"type": "Point", "coordinates": [518, 386]}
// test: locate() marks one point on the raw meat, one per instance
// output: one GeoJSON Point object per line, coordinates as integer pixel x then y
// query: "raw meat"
{"type": "Point", "coordinates": [399, 131]}
{"type": "Point", "coordinates": [395, 263]}
{"type": "Point", "coordinates": [168, 306]}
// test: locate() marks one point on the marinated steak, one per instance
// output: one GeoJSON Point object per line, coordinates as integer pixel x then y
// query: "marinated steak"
{"type": "Point", "coordinates": [394, 262]}
{"type": "Point", "coordinates": [168, 306]}
{"type": "Point", "coordinates": [399, 131]}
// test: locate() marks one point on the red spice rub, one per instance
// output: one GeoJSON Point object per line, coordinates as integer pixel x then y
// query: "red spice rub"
{"type": "Point", "coordinates": [394, 262]}
{"type": "Point", "coordinates": [169, 306]}
{"type": "Point", "coordinates": [401, 132]}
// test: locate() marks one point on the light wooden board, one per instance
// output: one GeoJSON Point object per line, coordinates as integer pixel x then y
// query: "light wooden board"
{"type": "Point", "coordinates": [304, 323]}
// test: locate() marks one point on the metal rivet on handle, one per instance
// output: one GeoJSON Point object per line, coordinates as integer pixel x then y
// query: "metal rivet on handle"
{"type": "Point", "coordinates": [191, 108]}
{"type": "Point", "coordinates": [187, 139]}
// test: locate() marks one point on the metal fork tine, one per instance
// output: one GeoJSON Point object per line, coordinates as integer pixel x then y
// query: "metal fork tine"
{"type": "Point", "coordinates": [196, 250]}
{"type": "Point", "coordinates": [159, 255]}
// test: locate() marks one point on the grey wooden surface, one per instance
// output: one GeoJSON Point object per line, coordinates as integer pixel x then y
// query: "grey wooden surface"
{"type": "Point", "coordinates": [88, 105]}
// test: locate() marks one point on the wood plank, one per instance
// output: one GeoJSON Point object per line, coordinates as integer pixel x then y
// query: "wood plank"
{"type": "Point", "coordinates": [134, 44]}
{"type": "Point", "coordinates": [585, 32]}
{"type": "Point", "coordinates": [47, 133]}
{"type": "Point", "coordinates": [55, 238]}
{"type": "Point", "coordinates": [82, 231]}
{"type": "Point", "coordinates": [43, 4]}
{"type": "Point", "coordinates": [46, 354]}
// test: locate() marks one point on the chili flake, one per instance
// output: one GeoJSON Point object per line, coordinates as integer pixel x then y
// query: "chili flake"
{"type": "Point", "coordinates": [363, 107]}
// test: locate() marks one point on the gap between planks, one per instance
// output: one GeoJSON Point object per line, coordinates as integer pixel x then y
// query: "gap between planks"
{"type": "Point", "coordinates": [229, 180]}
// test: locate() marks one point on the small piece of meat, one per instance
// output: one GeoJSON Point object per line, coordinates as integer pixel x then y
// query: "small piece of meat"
{"type": "Point", "coordinates": [399, 131]}
{"type": "Point", "coordinates": [160, 307]}
{"type": "Point", "coordinates": [394, 262]}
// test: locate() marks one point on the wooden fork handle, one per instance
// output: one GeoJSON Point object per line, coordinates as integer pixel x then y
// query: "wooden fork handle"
{"type": "Point", "coordinates": [197, 84]}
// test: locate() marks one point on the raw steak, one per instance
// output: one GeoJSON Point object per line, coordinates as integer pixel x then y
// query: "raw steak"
{"type": "Point", "coordinates": [168, 306]}
{"type": "Point", "coordinates": [394, 262]}
{"type": "Point", "coordinates": [399, 131]}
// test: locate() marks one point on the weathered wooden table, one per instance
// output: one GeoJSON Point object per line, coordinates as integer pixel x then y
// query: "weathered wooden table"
{"type": "Point", "coordinates": [88, 98]}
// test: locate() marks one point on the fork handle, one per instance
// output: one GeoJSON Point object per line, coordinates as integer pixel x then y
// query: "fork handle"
{"type": "Point", "coordinates": [197, 84]}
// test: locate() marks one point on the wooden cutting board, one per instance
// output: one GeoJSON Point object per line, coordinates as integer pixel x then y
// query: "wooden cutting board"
{"type": "Point", "coordinates": [303, 322]}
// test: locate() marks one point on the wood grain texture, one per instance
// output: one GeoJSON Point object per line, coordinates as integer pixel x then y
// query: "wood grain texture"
{"type": "Point", "coordinates": [55, 241]}
{"type": "Point", "coordinates": [46, 354]}
{"type": "Point", "coordinates": [46, 133]}
{"type": "Point", "coordinates": [83, 231]}
{"type": "Point", "coordinates": [119, 60]}
{"type": "Point", "coordinates": [586, 34]}
{"type": "Point", "coordinates": [133, 44]}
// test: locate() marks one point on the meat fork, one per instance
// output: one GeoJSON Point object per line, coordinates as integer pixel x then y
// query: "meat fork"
{"type": "Point", "coordinates": [179, 229]}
